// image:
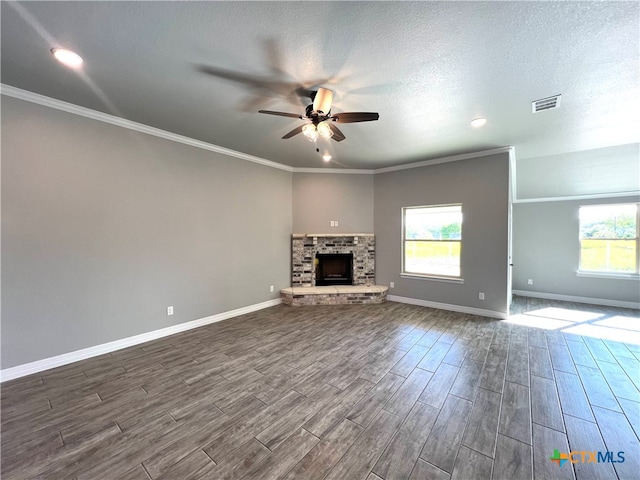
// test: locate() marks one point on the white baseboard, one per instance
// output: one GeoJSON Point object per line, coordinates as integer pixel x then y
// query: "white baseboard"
{"type": "Point", "coordinates": [66, 358]}
{"type": "Point", "coordinates": [447, 306]}
{"type": "Point", "coordinates": [572, 298]}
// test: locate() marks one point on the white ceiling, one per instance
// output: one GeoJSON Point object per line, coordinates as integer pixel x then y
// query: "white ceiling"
{"type": "Point", "coordinates": [203, 69]}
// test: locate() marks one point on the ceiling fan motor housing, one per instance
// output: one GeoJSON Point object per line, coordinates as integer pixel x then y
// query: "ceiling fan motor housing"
{"type": "Point", "coordinates": [309, 111]}
{"type": "Point", "coordinates": [314, 116]}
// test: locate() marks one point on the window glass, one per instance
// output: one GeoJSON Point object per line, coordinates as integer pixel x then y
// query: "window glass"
{"type": "Point", "coordinates": [432, 240]}
{"type": "Point", "coordinates": [609, 238]}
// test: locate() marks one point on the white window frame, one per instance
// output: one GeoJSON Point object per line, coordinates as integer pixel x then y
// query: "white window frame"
{"type": "Point", "coordinates": [609, 273]}
{"type": "Point", "coordinates": [429, 276]}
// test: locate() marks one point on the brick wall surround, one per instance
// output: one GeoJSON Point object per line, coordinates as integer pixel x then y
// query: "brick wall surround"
{"type": "Point", "coordinates": [305, 246]}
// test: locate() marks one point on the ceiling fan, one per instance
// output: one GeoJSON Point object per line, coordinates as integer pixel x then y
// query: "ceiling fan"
{"type": "Point", "coordinates": [321, 120]}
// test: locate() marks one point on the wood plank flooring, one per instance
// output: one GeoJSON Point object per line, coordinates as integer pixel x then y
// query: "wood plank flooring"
{"type": "Point", "coordinates": [379, 392]}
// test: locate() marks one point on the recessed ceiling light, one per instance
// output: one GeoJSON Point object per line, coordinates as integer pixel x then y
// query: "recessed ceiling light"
{"type": "Point", "coordinates": [478, 122]}
{"type": "Point", "coordinates": [67, 57]}
{"type": "Point", "coordinates": [326, 157]}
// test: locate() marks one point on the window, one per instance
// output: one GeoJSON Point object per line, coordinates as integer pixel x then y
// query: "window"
{"type": "Point", "coordinates": [609, 238]}
{"type": "Point", "coordinates": [432, 238]}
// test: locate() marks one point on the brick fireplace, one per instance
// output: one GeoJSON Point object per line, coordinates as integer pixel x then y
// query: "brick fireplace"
{"type": "Point", "coordinates": [305, 247]}
{"type": "Point", "coordinates": [330, 269]}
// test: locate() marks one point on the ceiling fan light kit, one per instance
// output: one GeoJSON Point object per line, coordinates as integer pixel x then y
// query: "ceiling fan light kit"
{"type": "Point", "coordinates": [310, 131]}
{"type": "Point", "coordinates": [324, 130]}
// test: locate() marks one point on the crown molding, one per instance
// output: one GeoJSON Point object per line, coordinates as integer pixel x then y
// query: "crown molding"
{"type": "Point", "coordinates": [43, 100]}
{"type": "Point", "coordinates": [352, 171]}
{"type": "Point", "coordinates": [25, 95]}
{"type": "Point", "coordinates": [567, 198]}
{"type": "Point", "coordinates": [454, 158]}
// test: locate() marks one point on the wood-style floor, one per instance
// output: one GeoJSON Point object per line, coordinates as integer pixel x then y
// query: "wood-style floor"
{"type": "Point", "coordinates": [387, 391]}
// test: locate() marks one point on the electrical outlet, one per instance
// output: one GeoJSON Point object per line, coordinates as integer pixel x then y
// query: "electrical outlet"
{"type": "Point", "coordinates": [481, 296]}
{"type": "Point", "coordinates": [392, 285]}
{"type": "Point", "coordinates": [336, 223]}
{"type": "Point", "coordinates": [271, 288]}
{"type": "Point", "coordinates": [170, 310]}
{"type": "Point", "coordinates": [333, 223]}
{"type": "Point", "coordinates": [530, 281]}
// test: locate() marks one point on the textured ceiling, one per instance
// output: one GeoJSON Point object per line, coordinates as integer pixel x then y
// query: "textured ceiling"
{"type": "Point", "coordinates": [203, 69]}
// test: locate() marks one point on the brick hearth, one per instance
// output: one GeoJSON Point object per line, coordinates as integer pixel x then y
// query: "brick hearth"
{"type": "Point", "coordinates": [341, 295]}
{"type": "Point", "coordinates": [303, 290]}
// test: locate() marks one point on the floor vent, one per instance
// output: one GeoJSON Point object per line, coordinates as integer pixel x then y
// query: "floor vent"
{"type": "Point", "coordinates": [543, 104]}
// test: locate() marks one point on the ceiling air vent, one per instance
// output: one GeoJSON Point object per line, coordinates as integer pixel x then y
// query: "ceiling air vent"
{"type": "Point", "coordinates": [543, 104]}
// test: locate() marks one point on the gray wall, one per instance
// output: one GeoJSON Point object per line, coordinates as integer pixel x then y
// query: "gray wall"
{"type": "Point", "coordinates": [482, 186]}
{"type": "Point", "coordinates": [319, 198]}
{"type": "Point", "coordinates": [546, 249]}
{"type": "Point", "coordinates": [103, 228]}
{"type": "Point", "coordinates": [600, 171]}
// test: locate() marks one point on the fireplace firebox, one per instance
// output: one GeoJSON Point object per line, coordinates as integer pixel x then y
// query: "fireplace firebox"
{"type": "Point", "coordinates": [334, 269]}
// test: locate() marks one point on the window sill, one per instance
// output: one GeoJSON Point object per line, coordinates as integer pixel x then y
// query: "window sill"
{"type": "Point", "coordinates": [615, 276]}
{"type": "Point", "coordinates": [433, 278]}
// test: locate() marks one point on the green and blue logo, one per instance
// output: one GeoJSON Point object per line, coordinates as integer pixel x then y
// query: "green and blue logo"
{"type": "Point", "coordinates": [583, 456]}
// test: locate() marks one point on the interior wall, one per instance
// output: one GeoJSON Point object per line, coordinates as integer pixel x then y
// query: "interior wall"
{"type": "Point", "coordinates": [319, 198]}
{"type": "Point", "coordinates": [545, 233]}
{"type": "Point", "coordinates": [103, 228]}
{"type": "Point", "coordinates": [546, 250]}
{"type": "Point", "coordinates": [482, 186]}
{"type": "Point", "coordinates": [591, 172]}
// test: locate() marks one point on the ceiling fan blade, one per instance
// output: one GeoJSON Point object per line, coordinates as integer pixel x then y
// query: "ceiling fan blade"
{"type": "Point", "coordinates": [322, 100]}
{"type": "Point", "coordinates": [352, 117]}
{"type": "Point", "coordinates": [338, 136]}
{"type": "Point", "coordinates": [293, 132]}
{"type": "Point", "coordinates": [281, 114]}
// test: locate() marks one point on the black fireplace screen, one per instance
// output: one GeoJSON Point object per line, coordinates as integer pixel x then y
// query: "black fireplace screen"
{"type": "Point", "coordinates": [334, 269]}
